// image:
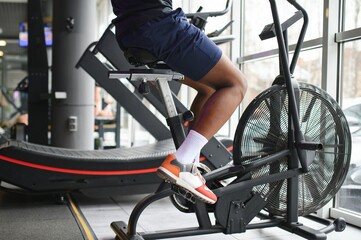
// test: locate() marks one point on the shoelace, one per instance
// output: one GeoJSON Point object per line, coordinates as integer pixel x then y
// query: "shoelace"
{"type": "Point", "coordinates": [196, 172]}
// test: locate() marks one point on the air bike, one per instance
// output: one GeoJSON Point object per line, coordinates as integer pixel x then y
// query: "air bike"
{"type": "Point", "coordinates": [291, 153]}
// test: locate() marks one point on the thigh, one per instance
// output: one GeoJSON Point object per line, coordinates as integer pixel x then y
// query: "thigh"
{"type": "Point", "coordinates": [181, 45]}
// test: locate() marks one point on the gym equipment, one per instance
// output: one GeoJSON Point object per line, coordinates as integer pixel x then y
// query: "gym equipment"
{"type": "Point", "coordinates": [43, 169]}
{"type": "Point", "coordinates": [291, 151]}
{"type": "Point", "coordinates": [12, 119]}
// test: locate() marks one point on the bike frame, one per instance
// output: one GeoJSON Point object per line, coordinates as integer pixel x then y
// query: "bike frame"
{"type": "Point", "coordinates": [297, 163]}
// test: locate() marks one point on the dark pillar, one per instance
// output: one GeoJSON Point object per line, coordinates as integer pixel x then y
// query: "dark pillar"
{"type": "Point", "coordinates": [38, 105]}
{"type": "Point", "coordinates": [72, 106]}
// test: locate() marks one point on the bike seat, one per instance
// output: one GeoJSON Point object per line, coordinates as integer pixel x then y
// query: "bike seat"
{"type": "Point", "coordinates": [140, 57]}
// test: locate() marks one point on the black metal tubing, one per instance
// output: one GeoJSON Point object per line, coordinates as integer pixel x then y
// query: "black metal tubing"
{"type": "Point", "coordinates": [264, 224]}
{"type": "Point", "coordinates": [177, 129]}
{"type": "Point", "coordinates": [301, 37]}
{"type": "Point", "coordinates": [256, 181]}
{"type": "Point", "coordinates": [268, 31]}
{"type": "Point", "coordinates": [329, 225]}
{"type": "Point", "coordinates": [283, 55]}
{"type": "Point", "coordinates": [204, 221]}
{"type": "Point", "coordinates": [295, 133]}
{"type": "Point", "coordinates": [139, 208]}
{"type": "Point", "coordinates": [183, 232]}
{"type": "Point", "coordinates": [212, 14]}
{"type": "Point", "coordinates": [224, 172]}
{"type": "Point", "coordinates": [303, 231]}
{"type": "Point", "coordinates": [266, 160]}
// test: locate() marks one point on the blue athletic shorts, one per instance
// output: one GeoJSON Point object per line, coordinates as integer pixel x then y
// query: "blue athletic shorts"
{"type": "Point", "coordinates": [181, 45]}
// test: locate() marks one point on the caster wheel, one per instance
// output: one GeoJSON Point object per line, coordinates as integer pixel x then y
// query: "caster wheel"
{"type": "Point", "coordinates": [340, 224]}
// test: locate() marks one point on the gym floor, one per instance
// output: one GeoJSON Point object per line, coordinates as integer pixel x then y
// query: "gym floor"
{"type": "Point", "coordinates": [162, 215]}
{"type": "Point", "coordinates": [44, 217]}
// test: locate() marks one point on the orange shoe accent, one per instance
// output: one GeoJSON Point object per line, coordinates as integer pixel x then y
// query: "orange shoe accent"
{"type": "Point", "coordinates": [205, 191]}
{"type": "Point", "coordinates": [169, 166]}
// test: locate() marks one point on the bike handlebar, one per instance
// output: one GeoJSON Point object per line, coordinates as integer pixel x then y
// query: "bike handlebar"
{"type": "Point", "coordinates": [212, 14]}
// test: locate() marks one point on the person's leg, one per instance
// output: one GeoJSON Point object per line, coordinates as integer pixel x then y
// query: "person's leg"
{"type": "Point", "coordinates": [203, 93]}
{"type": "Point", "coordinates": [230, 87]}
{"type": "Point", "coordinates": [218, 95]}
{"type": "Point", "coordinates": [212, 112]}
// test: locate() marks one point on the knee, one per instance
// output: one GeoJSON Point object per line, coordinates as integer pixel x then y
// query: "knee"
{"type": "Point", "coordinates": [242, 85]}
{"type": "Point", "coordinates": [239, 85]}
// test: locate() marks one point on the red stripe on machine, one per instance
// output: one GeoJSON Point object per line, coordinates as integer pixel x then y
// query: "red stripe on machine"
{"type": "Point", "coordinates": [76, 171]}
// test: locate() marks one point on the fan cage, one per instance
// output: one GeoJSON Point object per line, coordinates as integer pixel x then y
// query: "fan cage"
{"type": "Point", "coordinates": [263, 130]}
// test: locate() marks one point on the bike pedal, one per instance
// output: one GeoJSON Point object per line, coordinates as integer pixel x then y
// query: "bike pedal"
{"type": "Point", "coordinates": [184, 193]}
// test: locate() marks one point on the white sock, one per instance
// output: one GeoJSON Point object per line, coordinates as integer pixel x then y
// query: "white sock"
{"type": "Point", "coordinates": [191, 146]}
{"type": "Point", "coordinates": [196, 158]}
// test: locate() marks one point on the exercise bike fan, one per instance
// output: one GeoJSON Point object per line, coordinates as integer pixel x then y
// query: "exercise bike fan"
{"type": "Point", "coordinates": [263, 130]}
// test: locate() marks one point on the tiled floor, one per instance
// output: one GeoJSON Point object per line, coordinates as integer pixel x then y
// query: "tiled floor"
{"type": "Point", "coordinates": [163, 215]}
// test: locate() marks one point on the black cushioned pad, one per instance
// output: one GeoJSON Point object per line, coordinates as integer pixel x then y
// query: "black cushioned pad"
{"type": "Point", "coordinates": [52, 169]}
{"type": "Point", "coordinates": [113, 159]}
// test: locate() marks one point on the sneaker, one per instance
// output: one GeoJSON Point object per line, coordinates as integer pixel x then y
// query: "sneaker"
{"type": "Point", "coordinates": [186, 176]}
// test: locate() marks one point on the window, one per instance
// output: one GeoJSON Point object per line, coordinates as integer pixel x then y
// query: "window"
{"type": "Point", "coordinates": [349, 197]}
{"type": "Point", "coordinates": [353, 17]}
{"type": "Point", "coordinates": [348, 200]}
{"type": "Point", "coordinates": [254, 24]}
